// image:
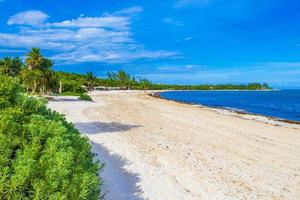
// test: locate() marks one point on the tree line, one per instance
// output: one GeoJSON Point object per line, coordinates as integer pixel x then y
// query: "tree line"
{"type": "Point", "coordinates": [72, 82]}
{"type": "Point", "coordinates": [122, 80]}
{"type": "Point", "coordinates": [38, 77]}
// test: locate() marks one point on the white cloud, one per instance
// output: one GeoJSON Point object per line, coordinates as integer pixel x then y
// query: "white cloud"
{"type": "Point", "coordinates": [113, 22]}
{"type": "Point", "coordinates": [181, 68]}
{"type": "Point", "coordinates": [11, 50]}
{"type": "Point", "coordinates": [130, 11]}
{"type": "Point", "coordinates": [171, 21]}
{"type": "Point", "coordinates": [282, 65]}
{"type": "Point", "coordinates": [183, 3]}
{"type": "Point", "coordinates": [106, 38]}
{"type": "Point", "coordinates": [31, 17]}
{"type": "Point", "coordinates": [167, 20]}
{"type": "Point", "coordinates": [188, 38]}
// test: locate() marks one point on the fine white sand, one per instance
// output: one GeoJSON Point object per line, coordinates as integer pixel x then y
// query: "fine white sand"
{"type": "Point", "coordinates": [162, 150]}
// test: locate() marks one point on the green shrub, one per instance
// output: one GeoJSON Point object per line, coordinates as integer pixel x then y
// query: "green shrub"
{"type": "Point", "coordinates": [68, 93]}
{"type": "Point", "coordinates": [72, 86]}
{"type": "Point", "coordinates": [41, 155]}
{"type": "Point", "coordinates": [85, 97]}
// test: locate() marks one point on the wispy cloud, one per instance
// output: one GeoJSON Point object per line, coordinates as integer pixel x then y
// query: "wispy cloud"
{"type": "Point", "coordinates": [188, 38]}
{"type": "Point", "coordinates": [105, 38]}
{"type": "Point", "coordinates": [181, 68]}
{"type": "Point", "coordinates": [191, 74]}
{"type": "Point", "coordinates": [280, 65]}
{"type": "Point", "coordinates": [11, 50]}
{"type": "Point", "coordinates": [129, 11]}
{"type": "Point", "coordinates": [112, 22]}
{"type": "Point", "coordinates": [169, 20]}
{"type": "Point", "coordinates": [184, 3]}
{"type": "Point", "coordinates": [31, 17]}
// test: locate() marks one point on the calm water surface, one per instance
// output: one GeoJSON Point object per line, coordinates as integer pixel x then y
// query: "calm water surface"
{"type": "Point", "coordinates": [283, 104]}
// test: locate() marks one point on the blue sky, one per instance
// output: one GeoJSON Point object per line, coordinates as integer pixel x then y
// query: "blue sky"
{"type": "Point", "coordinates": [171, 41]}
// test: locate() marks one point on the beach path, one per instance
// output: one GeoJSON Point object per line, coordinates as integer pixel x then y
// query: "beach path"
{"type": "Point", "coordinates": [162, 150]}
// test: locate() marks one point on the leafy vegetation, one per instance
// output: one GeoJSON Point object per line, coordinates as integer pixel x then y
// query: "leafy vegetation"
{"type": "Point", "coordinates": [125, 81]}
{"type": "Point", "coordinates": [71, 83]}
{"type": "Point", "coordinates": [11, 66]}
{"type": "Point", "coordinates": [85, 97]}
{"type": "Point", "coordinates": [145, 84]}
{"type": "Point", "coordinates": [37, 76]}
{"type": "Point", "coordinates": [121, 79]}
{"type": "Point", "coordinates": [41, 155]}
{"type": "Point", "coordinates": [90, 81]}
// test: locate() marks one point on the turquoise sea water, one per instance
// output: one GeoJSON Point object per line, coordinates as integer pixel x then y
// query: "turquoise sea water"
{"type": "Point", "coordinates": [284, 104]}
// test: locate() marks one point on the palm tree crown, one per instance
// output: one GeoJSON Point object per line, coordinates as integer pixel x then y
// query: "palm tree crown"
{"type": "Point", "coordinates": [34, 58]}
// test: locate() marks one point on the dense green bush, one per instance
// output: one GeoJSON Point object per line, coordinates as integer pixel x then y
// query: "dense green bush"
{"type": "Point", "coordinates": [68, 93]}
{"type": "Point", "coordinates": [72, 86]}
{"type": "Point", "coordinates": [41, 155]}
{"type": "Point", "coordinates": [10, 66]}
{"type": "Point", "coordinates": [71, 83]}
{"type": "Point", "coordinates": [85, 97]}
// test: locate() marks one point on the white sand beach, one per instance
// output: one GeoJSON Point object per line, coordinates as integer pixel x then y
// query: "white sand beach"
{"type": "Point", "coordinates": [161, 150]}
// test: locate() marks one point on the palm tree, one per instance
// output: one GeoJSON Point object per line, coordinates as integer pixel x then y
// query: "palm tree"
{"type": "Point", "coordinates": [31, 79]}
{"type": "Point", "coordinates": [90, 81]}
{"type": "Point", "coordinates": [39, 77]}
{"type": "Point", "coordinates": [47, 64]}
{"type": "Point", "coordinates": [145, 83]}
{"type": "Point", "coordinates": [124, 79]}
{"type": "Point", "coordinates": [121, 79]}
{"type": "Point", "coordinates": [113, 79]}
{"type": "Point", "coordinates": [34, 59]}
{"type": "Point", "coordinates": [48, 82]}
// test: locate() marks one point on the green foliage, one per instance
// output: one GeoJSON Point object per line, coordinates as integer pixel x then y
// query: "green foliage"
{"type": "Point", "coordinates": [72, 86]}
{"type": "Point", "coordinates": [144, 84]}
{"type": "Point", "coordinates": [125, 81]}
{"type": "Point", "coordinates": [90, 82]}
{"type": "Point", "coordinates": [71, 83]}
{"type": "Point", "coordinates": [121, 79]}
{"type": "Point", "coordinates": [35, 60]}
{"type": "Point", "coordinates": [251, 86]}
{"type": "Point", "coordinates": [10, 66]}
{"type": "Point", "coordinates": [41, 155]}
{"type": "Point", "coordinates": [9, 90]}
{"type": "Point", "coordinates": [38, 77]}
{"type": "Point", "coordinates": [68, 93]}
{"type": "Point", "coordinates": [85, 97]}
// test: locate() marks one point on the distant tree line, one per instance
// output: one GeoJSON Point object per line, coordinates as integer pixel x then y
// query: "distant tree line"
{"type": "Point", "coordinates": [38, 77]}
{"type": "Point", "coordinates": [73, 82]}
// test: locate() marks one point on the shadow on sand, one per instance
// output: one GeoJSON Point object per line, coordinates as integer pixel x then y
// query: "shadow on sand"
{"type": "Point", "coordinates": [100, 127]}
{"type": "Point", "coordinates": [118, 183]}
{"type": "Point", "coordinates": [64, 99]}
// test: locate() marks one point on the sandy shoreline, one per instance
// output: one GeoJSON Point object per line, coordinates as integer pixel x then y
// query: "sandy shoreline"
{"type": "Point", "coordinates": [158, 149]}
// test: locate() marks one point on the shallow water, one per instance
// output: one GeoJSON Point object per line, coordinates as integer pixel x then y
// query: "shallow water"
{"type": "Point", "coordinates": [284, 104]}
